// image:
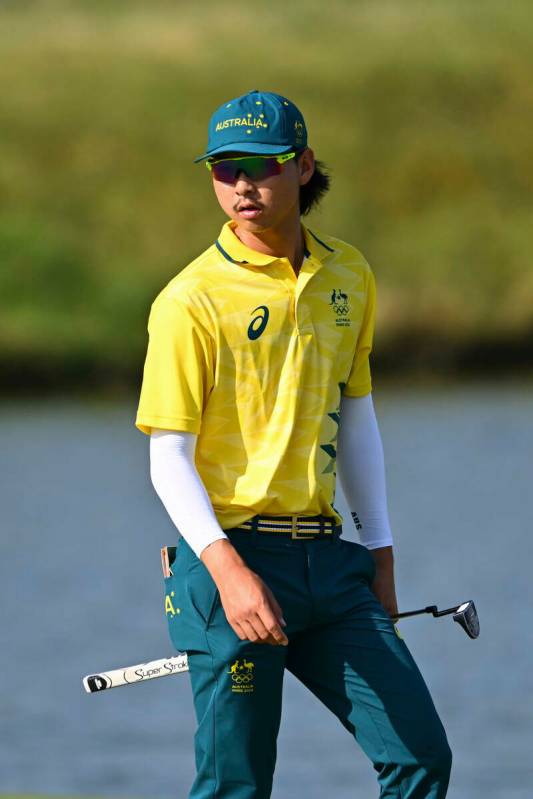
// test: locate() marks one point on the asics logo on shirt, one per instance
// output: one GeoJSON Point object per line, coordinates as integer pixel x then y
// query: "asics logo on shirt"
{"type": "Point", "coordinates": [258, 323]}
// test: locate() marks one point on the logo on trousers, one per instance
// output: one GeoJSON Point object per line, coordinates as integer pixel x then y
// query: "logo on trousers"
{"type": "Point", "coordinates": [242, 676]}
{"type": "Point", "coordinates": [169, 606]}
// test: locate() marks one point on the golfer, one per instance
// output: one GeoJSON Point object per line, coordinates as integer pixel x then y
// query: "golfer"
{"type": "Point", "coordinates": [256, 391]}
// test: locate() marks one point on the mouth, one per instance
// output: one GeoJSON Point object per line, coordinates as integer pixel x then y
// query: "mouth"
{"type": "Point", "coordinates": [248, 210]}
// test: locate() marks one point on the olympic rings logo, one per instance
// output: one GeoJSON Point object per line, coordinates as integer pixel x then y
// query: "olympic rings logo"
{"type": "Point", "coordinates": [341, 309]}
{"type": "Point", "coordinates": [242, 678]}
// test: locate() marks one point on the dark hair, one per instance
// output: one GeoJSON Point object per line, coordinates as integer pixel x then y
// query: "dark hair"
{"type": "Point", "coordinates": [314, 190]}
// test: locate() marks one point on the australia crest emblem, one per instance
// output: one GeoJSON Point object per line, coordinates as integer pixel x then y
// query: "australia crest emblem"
{"type": "Point", "coordinates": [242, 676]}
{"type": "Point", "coordinates": [341, 307]}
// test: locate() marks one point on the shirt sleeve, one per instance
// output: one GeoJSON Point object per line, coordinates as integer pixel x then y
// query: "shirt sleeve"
{"type": "Point", "coordinates": [359, 381]}
{"type": "Point", "coordinates": [178, 371]}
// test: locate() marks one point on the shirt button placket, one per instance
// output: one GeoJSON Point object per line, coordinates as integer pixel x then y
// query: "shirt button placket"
{"type": "Point", "coordinates": [290, 281]}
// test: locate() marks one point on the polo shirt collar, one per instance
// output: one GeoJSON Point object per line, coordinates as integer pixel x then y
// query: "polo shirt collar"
{"type": "Point", "coordinates": [233, 249]}
{"type": "Point", "coordinates": [315, 247]}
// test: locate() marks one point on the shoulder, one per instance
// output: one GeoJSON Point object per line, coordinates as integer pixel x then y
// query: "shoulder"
{"type": "Point", "coordinates": [196, 276]}
{"type": "Point", "coordinates": [184, 296]}
{"type": "Point", "coordinates": [342, 256]}
{"type": "Point", "coordinates": [339, 250]}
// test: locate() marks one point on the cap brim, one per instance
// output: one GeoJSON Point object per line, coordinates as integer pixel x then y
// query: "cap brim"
{"type": "Point", "coordinates": [256, 148]}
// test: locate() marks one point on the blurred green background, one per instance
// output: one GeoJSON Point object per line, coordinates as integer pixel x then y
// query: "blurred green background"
{"type": "Point", "coordinates": [422, 110]}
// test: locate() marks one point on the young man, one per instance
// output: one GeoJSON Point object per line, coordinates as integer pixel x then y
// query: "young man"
{"type": "Point", "coordinates": [256, 385]}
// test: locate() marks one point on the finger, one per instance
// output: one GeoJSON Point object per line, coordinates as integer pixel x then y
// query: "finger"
{"type": "Point", "coordinates": [238, 630]}
{"type": "Point", "coordinates": [250, 632]}
{"type": "Point", "coordinates": [257, 632]}
{"type": "Point", "coordinates": [271, 623]}
{"type": "Point", "coordinates": [264, 636]}
{"type": "Point", "coordinates": [276, 607]}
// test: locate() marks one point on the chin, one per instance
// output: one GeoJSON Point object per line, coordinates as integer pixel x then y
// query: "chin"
{"type": "Point", "coordinates": [251, 225]}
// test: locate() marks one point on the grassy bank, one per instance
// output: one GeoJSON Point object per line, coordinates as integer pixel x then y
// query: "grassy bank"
{"type": "Point", "coordinates": [423, 111]}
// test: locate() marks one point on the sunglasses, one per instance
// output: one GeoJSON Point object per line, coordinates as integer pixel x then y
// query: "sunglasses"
{"type": "Point", "coordinates": [256, 167]}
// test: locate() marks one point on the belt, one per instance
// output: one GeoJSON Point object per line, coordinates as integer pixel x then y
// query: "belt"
{"type": "Point", "coordinates": [299, 527]}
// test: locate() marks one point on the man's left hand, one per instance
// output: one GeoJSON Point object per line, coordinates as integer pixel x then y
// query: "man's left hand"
{"type": "Point", "coordinates": [383, 585]}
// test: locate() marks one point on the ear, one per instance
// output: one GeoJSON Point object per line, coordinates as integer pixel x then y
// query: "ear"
{"type": "Point", "coordinates": [306, 165]}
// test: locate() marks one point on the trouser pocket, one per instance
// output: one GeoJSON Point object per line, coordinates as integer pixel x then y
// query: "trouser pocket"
{"type": "Point", "coordinates": [362, 560]}
{"type": "Point", "coordinates": [191, 597]}
{"type": "Point", "coordinates": [202, 591]}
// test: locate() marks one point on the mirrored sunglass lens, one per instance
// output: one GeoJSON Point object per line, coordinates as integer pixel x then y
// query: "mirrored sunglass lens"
{"type": "Point", "coordinates": [255, 168]}
{"type": "Point", "coordinates": [224, 171]}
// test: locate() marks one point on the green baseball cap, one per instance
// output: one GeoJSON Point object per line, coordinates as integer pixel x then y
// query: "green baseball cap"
{"type": "Point", "coordinates": [258, 122]}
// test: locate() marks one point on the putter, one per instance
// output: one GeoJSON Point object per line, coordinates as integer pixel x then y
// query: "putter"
{"type": "Point", "coordinates": [464, 614]}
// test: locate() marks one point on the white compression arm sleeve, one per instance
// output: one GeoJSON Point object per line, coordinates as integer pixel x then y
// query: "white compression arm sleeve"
{"type": "Point", "coordinates": [361, 470]}
{"type": "Point", "coordinates": [180, 488]}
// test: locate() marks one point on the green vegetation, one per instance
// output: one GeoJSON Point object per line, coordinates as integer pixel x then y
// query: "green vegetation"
{"type": "Point", "coordinates": [423, 111]}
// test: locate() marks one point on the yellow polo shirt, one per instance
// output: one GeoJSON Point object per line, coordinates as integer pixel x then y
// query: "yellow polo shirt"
{"type": "Point", "coordinates": [254, 360]}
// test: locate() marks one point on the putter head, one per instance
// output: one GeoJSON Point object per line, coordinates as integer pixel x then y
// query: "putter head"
{"type": "Point", "coordinates": [466, 616]}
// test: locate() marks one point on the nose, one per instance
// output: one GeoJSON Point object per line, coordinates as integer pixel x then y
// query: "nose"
{"type": "Point", "coordinates": [243, 184]}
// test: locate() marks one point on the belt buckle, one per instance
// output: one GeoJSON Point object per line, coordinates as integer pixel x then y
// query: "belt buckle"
{"type": "Point", "coordinates": [294, 530]}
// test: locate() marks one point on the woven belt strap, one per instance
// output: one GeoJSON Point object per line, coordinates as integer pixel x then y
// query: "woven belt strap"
{"type": "Point", "coordinates": [293, 526]}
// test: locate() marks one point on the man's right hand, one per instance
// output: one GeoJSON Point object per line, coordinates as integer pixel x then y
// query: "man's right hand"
{"type": "Point", "coordinates": [249, 604]}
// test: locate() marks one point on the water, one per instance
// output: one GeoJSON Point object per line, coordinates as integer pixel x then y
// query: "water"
{"type": "Point", "coordinates": [81, 591]}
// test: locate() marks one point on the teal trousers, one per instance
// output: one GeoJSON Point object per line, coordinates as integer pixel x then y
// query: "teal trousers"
{"type": "Point", "coordinates": [342, 646]}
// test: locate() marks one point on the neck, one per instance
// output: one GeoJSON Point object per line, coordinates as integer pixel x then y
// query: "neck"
{"type": "Point", "coordinates": [284, 241]}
